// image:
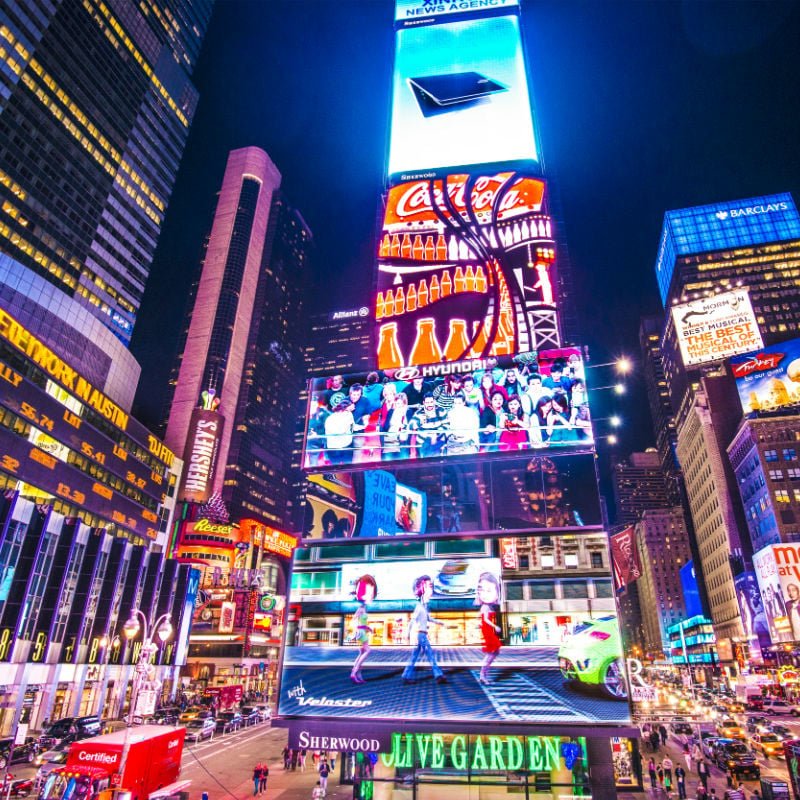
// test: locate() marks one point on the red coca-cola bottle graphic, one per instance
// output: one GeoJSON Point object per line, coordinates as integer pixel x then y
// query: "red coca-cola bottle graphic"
{"type": "Point", "coordinates": [389, 356]}
{"type": "Point", "coordinates": [422, 294]}
{"type": "Point", "coordinates": [434, 289]}
{"type": "Point", "coordinates": [418, 249]}
{"type": "Point", "coordinates": [395, 249]}
{"type": "Point", "coordinates": [470, 279]}
{"type": "Point", "coordinates": [457, 342]}
{"type": "Point", "coordinates": [459, 283]}
{"type": "Point", "coordinates": [405, 246]}
{"type": "Point", "coordinates": [385, 247]}
{"type": "Point", "coordinates": [429, 248]}
{"type": "Point", "coordinates": [411, 298]}
{"type": "Point", "coordinates": [480, 280]}
{"type": "Point", "coordinates": [426, 349]}
{"type": "Point", "coordinates": [441, 248]}
{"type": "Point", "coordinates": [447, 284]}
{"type": "Point", "coordinates": [389, 303]}
{"type": "Point", "coordinates": [380, 306]}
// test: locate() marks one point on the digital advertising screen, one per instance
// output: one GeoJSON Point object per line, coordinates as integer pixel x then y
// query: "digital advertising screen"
{"type": "Point", "coordinates": [776, 568]}
{"type": "Point", "coordinates": [466, 269]}
{"type": "Point", "coordinates": [411, 639]}
{"type": "Point", "coordinates": [531, 402]}
{"type": "Point", "coordinates": [525, 493]}
{"type": "Point", "coordinates": [416, 12]}
{"type": "Point", "coordinates": [768, 379]}
{"type": "Point", "coordinates": [715, 328]}
{"type": "Point", "coordinates": [460, 96]}
{"type": "Point", "coordinates": [754, 618]}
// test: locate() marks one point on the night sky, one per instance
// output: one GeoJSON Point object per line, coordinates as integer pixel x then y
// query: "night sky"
{"type": "Point", "coordinates": [640, 107]}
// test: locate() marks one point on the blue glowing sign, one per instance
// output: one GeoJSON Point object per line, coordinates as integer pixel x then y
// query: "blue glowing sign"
{"type": "Point", "coordinates": [738, 223]}
{"type": "Point", "coordinates": [460, 96]}
{"type": "Point", "coordinates": [422, 12]}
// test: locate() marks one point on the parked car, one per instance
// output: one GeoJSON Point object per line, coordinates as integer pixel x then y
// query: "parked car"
{"type": "Point", "coordinates": [198, 729]}
{"type": "Point", "coordinates": [82, 727]}
{"type": "Point", "coordinates": [229, 721]}
{"type": "Point", "coordinates": [734, 757]}
{"type": "Point", "coordinates": [170, 715]}
{"type": "Point", "coordinates": [730, 729]}
{"type": "Point", "coordinates": [22, 752]}
{"type": "Point", "coordinates": [767, 743]}
{"type": "Point", "coordinates": [250, 715]}
{"type": "Point", "coordinates": [775, 705]}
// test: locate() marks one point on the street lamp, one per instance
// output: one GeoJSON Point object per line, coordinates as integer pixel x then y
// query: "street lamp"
{"type": "Point", "coordinates": [163, 630]}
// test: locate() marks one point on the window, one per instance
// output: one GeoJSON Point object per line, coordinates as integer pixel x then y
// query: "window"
{"type": "Point", "coordinates": [548, 562]}
{"type": "Point", "coordinates": [574, 590]}
{"type": "Point", "coordinates": [776, 474]}
{"type": "Point", "coordinates": [793, 474]}
{"type": "Point", "coordinates": [781, 496]}
{"type": "Point", "coordinates": [542, 590]}
{"type": "Point", "coordinates": [603, 589]}
{"type": "Point", "coordinates": [770, 455]}
{"type": "Point", "coordinates": [789, 454]}
{"type": "Point", "coordinates": [596, 560]}
{"type": "Point", "coordinates": [571, 560]}
{"type": "Point", "coordinates": [514, 590]}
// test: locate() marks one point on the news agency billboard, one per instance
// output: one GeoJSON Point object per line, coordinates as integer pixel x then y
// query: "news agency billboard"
{"type": "Point", "coordinates": [425, 12]}
{"type": "Point", "coordinates": [460, 96]}
{"type": "Point", "coordinates": [768, 379]}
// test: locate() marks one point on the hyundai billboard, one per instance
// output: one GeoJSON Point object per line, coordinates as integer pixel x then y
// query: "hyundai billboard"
{"type": "Point", "coordinates": [460, 96]}
{"type": "Point", "coordinates": [528, 403]}
{"type": "Point", "coordinates": [414, 638]}
{"type": "Point", "coordinates": [481, 497]}
{"type": "Point", "coordinates": [769, 379]}
{"type": "Point", "coordinates": [466, 269]}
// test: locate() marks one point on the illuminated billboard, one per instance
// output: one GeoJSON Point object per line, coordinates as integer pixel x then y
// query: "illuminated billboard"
{"type": "Point", "coordinates": [716, 327]}
{"type": "Point", "coordinates": [769, 379]}
{"type": "Point", "coordinates": [416, 12]}
{"type": "Point", "coordinates": [530, 402]}
{"type": "Point", "coordinates": [466, 269]}
{"type": "Point", "coordinates": [460, 96]}
{"type": "Point", "coordinates": [525, 493]}
{"type": "Point", "coordinates": [410, 639]}
{"type": "Point", "coordinates": [777, 569]}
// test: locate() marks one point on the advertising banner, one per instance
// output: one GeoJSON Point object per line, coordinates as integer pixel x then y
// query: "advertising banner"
{"type": "Point", "coordinates": [772, 598]}
{"type": "Point", "coordinates": [524, 494]}
{"type": "Point", "coordinates": [625, 558]}
{"type": "Point", "coordinates": [200, 457]}
{"type": "Point", "coordinates": [466, 269]}
{"type": "Point", "coordinates": [769, 379]}
{"type": "Point", "coordinates": [422, 638]}
{"type": "Point", "coordinates": [505, 405]}
{"type": "Point", "coordinates": [460, 96]}
{"type": "Point", "coordinates": [423, 12]}
{"type": "Point", "coordinates": [716, 327]}
{"type": "Point", "coordinates": [754, 618]}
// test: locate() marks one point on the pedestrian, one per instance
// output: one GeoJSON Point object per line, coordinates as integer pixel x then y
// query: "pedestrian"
{"type": "Point", "coordinates": [324, 771]}
{"type": "Point", "coordinates": [303, 755]}
{"type": "Point", "coordinates": [332, 759]}
{"type": "Point", "coordinates": [667, 782]}
{"type": "Point", "coordinates": [736, 793]}
{"type": "Point", "coordinates": [317, 792]}
{"type": "Point", "coordinates": [660, 774]}
{"type": "Point", "coordinates": [687, 755]}
{"type": "Point", "coordinates": [729, 778]}
{"type": "Point", "coordinates": [262, 779]}
{"type": "Point", "coordinates": [286, 753]}
{"type": "Point", "coordinates": [700, 792]}
{"type": "Point", "coordinates": [256, 778]}
{"type": "Point", "coordinates": [702, 772]}
{"type": "Point", "coordinates": [651, 768]}
{"type": "Point", "coordinates": [315, 759]}
{"type": "Point", "coordinates": [667, 765]}
{"type": "Point", "coordinates": [654, 740]}
{"type": "Point", "coordinates": [663, 733]}
{"type": "Point", "coordinates": [756, 795]}
{"type": "Point", "coordinates": [680, 780]}
{"type": "Point", "coordinates": [295, 759]}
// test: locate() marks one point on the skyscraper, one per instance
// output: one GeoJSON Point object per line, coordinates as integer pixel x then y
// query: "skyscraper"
{"type": "Point", "coordinates": [639, 485]}
{"type": "Point", "coordinates": [242, 345]}
{"type": "Point", "coordinates": [94, 115]}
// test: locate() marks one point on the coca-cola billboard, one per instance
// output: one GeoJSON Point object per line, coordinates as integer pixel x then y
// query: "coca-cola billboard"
{"type": "Point", "coordinates": [768, 379]}
{"type": "Point", "coordinates": [466, 269]}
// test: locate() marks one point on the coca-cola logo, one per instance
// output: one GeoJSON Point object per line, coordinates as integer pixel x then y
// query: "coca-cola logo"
{"type": "Point", "coordinates": [415, 198]}
{"type": "Point", "coordinates": [757, 363]}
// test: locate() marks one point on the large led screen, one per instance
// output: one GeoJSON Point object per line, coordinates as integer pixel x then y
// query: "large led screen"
{"type": "Point", "coordinates": [769, 379]}
{"type": "Point", "coordinates": [777, 569]}
{"type": "Point", "coordinates": [525, 493]}
{"type": "Point", "coordinates": [437, 636]}
{"type": "Point", "coordinates": [716, 327]}
{"type": "Point", "coordinates": [466, 269]}
{"type": "Point", "coordinates": [531, 402]}
{"type": "Point", "coordinates": [460, 96]}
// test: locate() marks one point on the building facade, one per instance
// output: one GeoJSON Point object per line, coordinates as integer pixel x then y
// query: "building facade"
{"type": "Point", "coordinates": [640, 484]}
{"type": "Point", "coordinates": [95, 111]}
{"type": "Point", "coordinates": [339, 341]}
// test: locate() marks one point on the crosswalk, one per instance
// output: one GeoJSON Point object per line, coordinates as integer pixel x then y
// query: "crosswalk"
{"type": "Point", "coordinates": [518, 698]}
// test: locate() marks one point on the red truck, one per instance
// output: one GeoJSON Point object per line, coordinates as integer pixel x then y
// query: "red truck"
{"type": "Point", "coordinates": [92, 768]}
{"type": "Point", "coordinates": [225, 697]}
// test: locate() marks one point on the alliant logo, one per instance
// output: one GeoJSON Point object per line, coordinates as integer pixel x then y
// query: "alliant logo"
{"type": "Point", "coordinates": [356, 312]}
{"type": "Point", "coordinates": [757, 363]}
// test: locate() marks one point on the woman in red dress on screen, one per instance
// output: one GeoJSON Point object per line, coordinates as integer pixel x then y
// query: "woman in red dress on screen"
{"type": "Point", "coordinates": [487, 596]}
